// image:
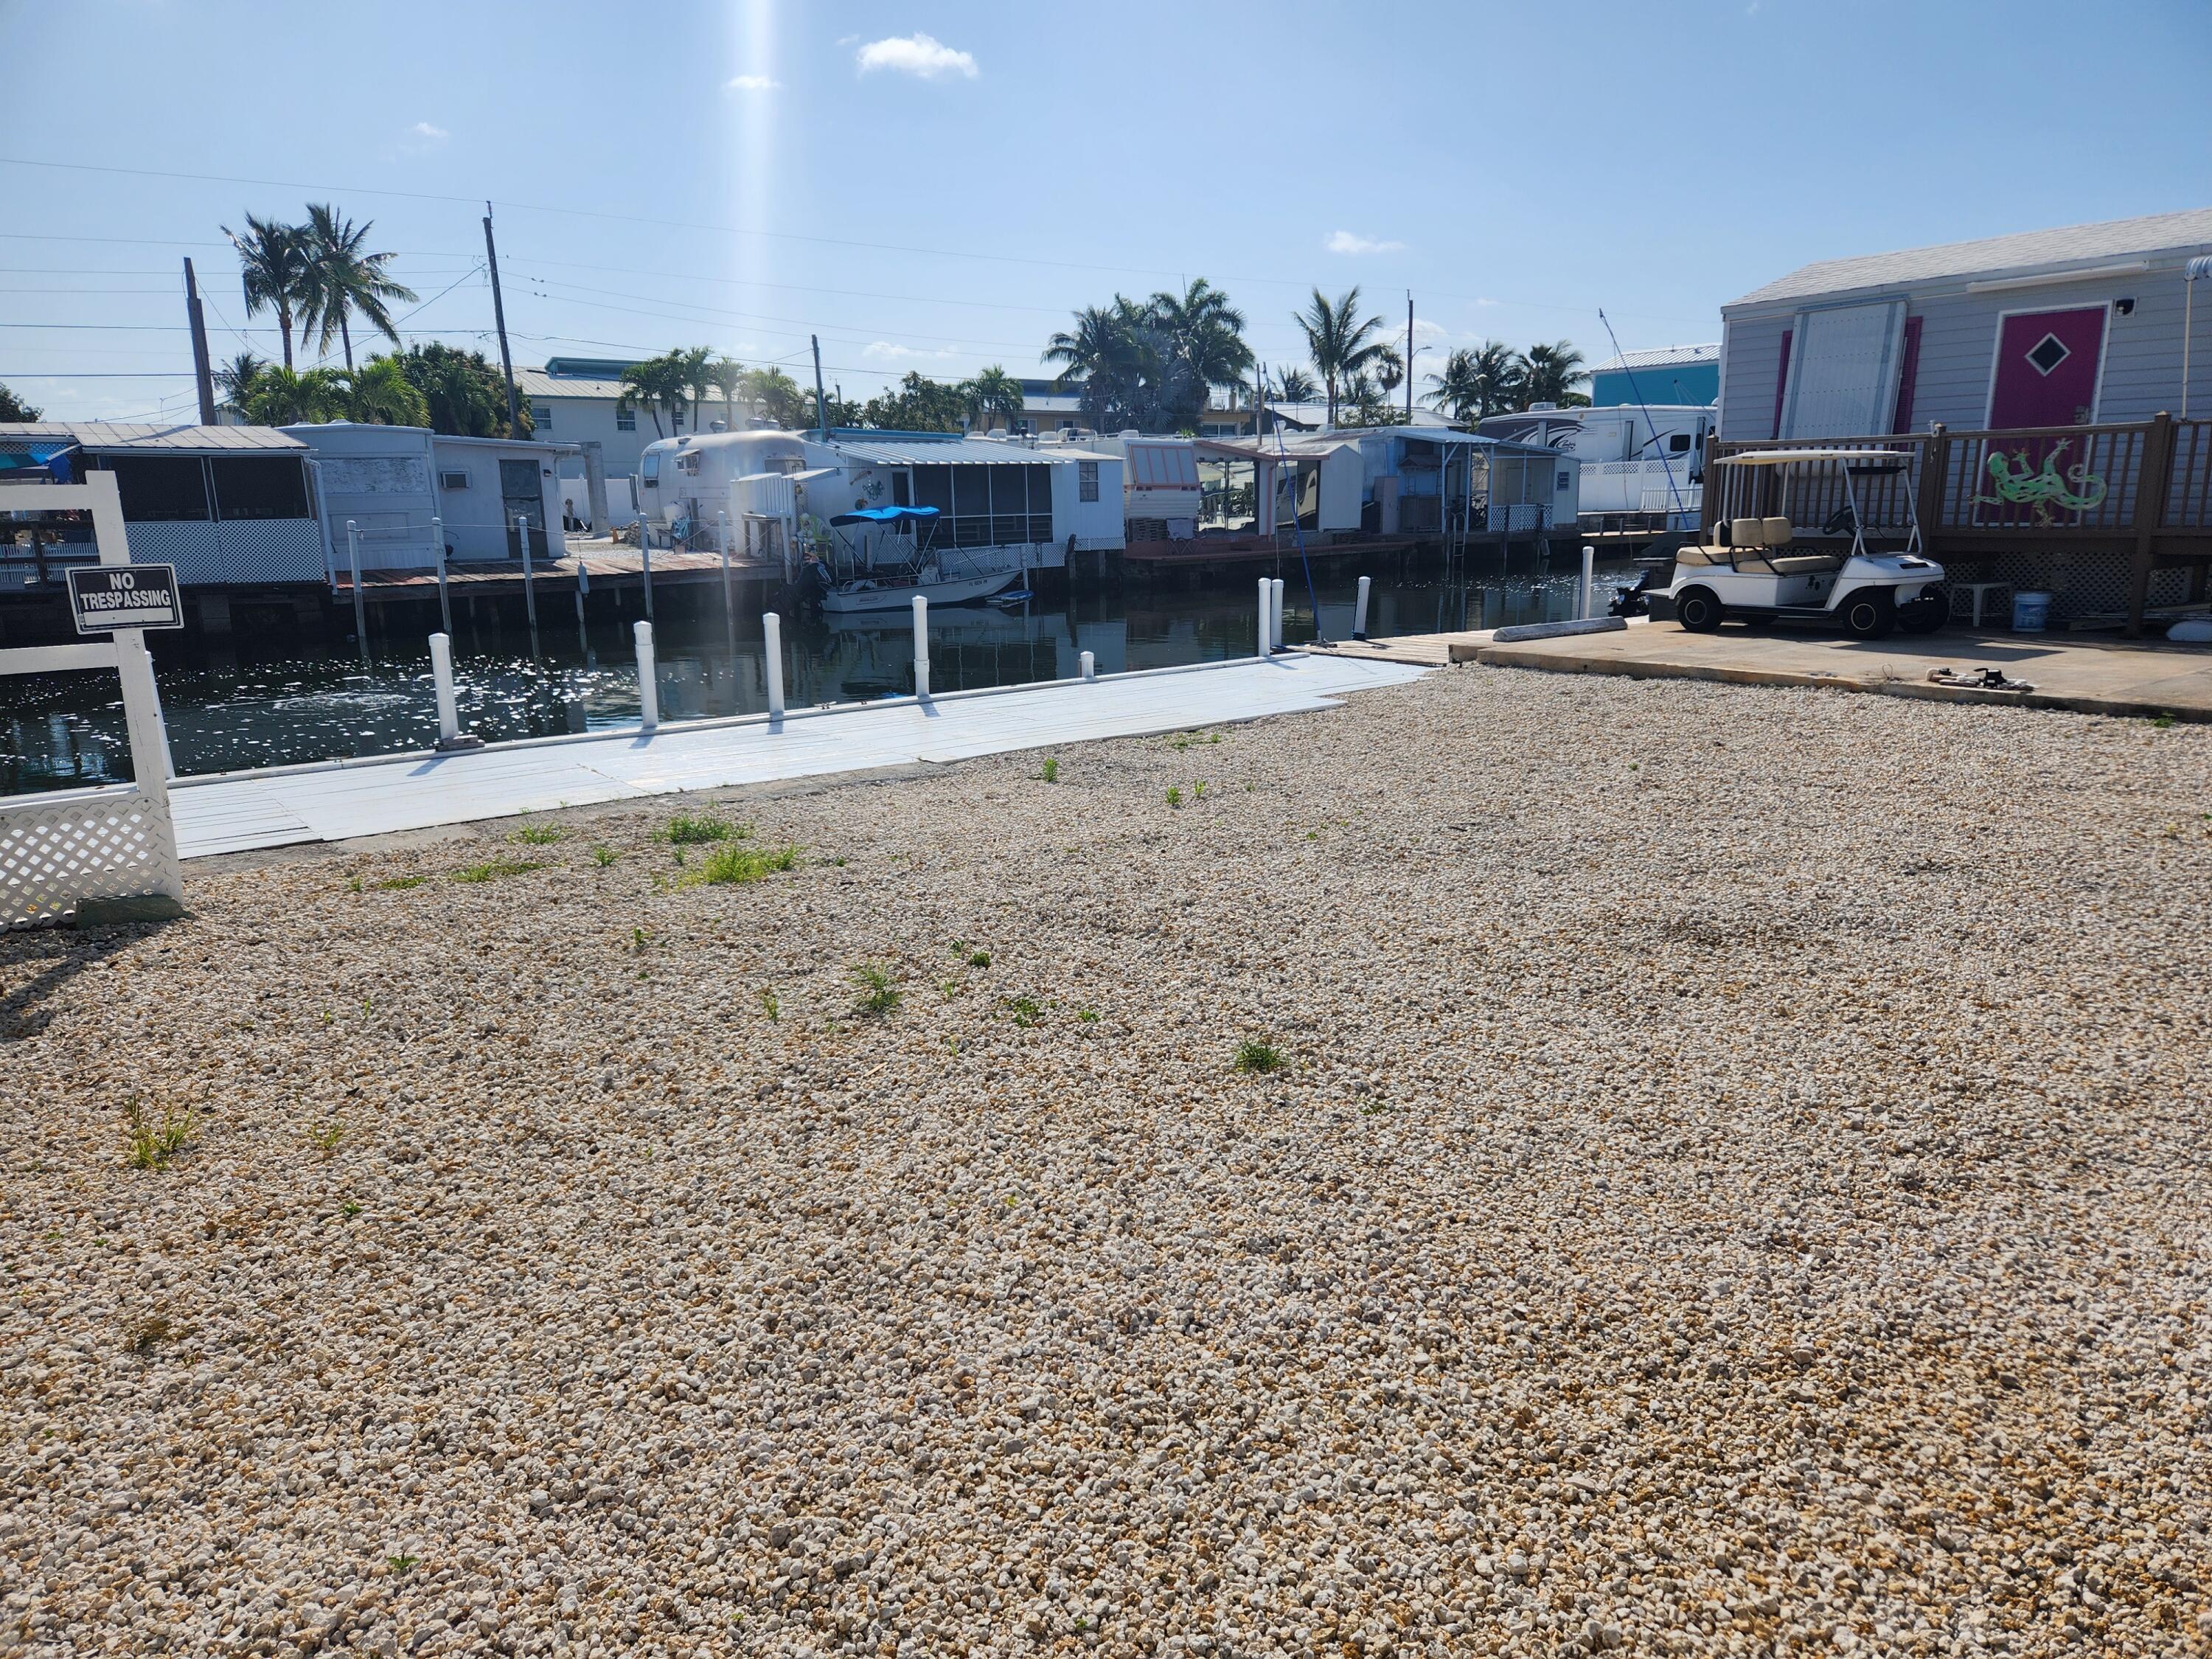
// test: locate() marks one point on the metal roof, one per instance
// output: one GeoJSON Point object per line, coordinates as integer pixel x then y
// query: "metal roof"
{"type": "Point", "coordinates": [1661, 357]}
{"type": "Point", "coordinates": [537, 383]}
{"type": "Point", "coordinates": [896, 451]}
{"type": "Point", "coordinates": [2033, 250]}
{"type": "Point", "coordinates": [191, 439]}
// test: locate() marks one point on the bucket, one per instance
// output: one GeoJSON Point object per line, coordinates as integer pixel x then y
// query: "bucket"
{"type": "Point", "coordinates": [2031, 612]}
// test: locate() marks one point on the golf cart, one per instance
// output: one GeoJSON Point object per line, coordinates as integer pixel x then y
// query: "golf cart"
{"type": "Point", "coordinates": [1764, 569]}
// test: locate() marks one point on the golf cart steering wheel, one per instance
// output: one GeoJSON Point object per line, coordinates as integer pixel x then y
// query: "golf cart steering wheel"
{"type": "Point", "coordinates": [1841, 522]}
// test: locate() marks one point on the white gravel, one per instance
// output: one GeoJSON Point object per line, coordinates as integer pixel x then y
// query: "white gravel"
{"type": "Point", "coordinates": [1739, 1186]}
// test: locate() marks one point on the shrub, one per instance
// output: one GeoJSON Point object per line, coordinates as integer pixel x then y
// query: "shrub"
{"type": "Point", "coordinates": [687, 831]}
{"type": "Point", "coordinates": [1254, 1055]}
{"type": "Point", "coordinates": [1051, 773]}
{"type": "Point", "coordinates": [152, 1146]}
{"type": "Point", "coordinates": [603, 856]}
{"type": "Point", "coordinates": [540, 835]}
{"type": "Point", "coordinates": [880, 992]}
{"type": "Point", "coordinates": [728, 866]}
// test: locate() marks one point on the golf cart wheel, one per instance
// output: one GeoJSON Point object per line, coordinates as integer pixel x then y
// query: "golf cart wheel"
{"type": "Point", "coordinates": [1868, 614]}
{"type": "Point", "coordinates": [1925, 614]}
{"type": "Point", "coordinates": [1699, 609]}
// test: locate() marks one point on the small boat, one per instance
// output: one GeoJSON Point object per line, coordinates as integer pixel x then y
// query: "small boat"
{"type": "Point", "coordinates": [892, 593]}
{"type": "Point", "coordinates": [1013, 597]}
{"type": "Point", "coordinates": [868, 581]}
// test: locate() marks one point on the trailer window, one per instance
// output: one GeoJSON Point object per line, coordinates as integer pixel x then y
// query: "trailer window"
{"type": "Point", "coordinates": [1086, 480]}
{"type": "Point", "coordinates": [259, 487]}
{"type": "Point", "coordinates": [652, 465]}
{"type": "Point", "coordinates": [1678, 443]}
{"type": "Point", "coordinates": [161, 489]}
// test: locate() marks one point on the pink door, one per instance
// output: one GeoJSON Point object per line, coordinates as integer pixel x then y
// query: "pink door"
{"type": "Point", "coordinates": [2047, 368]}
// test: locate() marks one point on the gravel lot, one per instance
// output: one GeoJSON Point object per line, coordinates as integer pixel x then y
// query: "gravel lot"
{"type": "Point", "coordinates": [1738, 1182]}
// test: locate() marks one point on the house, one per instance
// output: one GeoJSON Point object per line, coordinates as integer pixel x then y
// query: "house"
{"type": "Point", "coordinates": [2034, 379]}
{"type": "Point", "coordinates": [1677, 375]}
{"type": "Point", "coordinates": [2068, 327]}
{"type": "Point", "coordinates": [773, 489]}
{"type": "Point", "coordinates": [575, 400]}
{"type": "Point", "coordinates": [229, 506]}
{"type": "Point", "coordinates": [1413, 481]}
{"type": "Point", "coordinates": [1047, 407]}
{"type": "Point", "coordinates": [388, 482]}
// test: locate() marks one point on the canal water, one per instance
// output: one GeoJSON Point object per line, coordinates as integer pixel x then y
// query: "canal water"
{"type": "Point", "coordinates": [269, 701]}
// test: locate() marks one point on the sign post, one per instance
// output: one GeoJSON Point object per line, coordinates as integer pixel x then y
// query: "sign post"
{"type": "Point", "coordinates": [104, 598]}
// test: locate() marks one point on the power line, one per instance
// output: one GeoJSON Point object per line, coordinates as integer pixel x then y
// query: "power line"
{"type": "Point", "coordinates": [731, 230]}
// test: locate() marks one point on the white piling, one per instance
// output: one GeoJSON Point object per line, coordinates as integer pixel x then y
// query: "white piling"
{"type": "Point", "coordinates": [921, 645]}
{"type": "Point", "coordinates": [438, 548]}
{"type": "Point", "coordinates": [644, 560]}
{"type": "Point", "coordinates": [1089, 666]}
{"type": "Point", "coordinates": [529, 573]}
{"type": "Point", "coordinates": [772, 646]}
{"type": "Point", "coordinates": [360, 609]}
{"type": "Point", "coordinates": [1267, 604]}
{"type": "Point", "coordinates": [1275, 615]}
{"type": "Point", "coordinates": [723, 519]}
{"type": "Point", "coordinates": [441, 673]}
{"type": "Point", "coordinates": [648, 678]}
{"type": "Point", "coordinates": [1360, 611]}
{"type": "Point", "coordinates": [1583, 589]}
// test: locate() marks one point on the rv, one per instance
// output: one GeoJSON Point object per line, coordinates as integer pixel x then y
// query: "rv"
{"type": "Point", "coordinates": [1642, 466]}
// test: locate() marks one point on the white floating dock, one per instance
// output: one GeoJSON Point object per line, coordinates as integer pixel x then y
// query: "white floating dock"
{"type": "Point", "coordinates": [337, 800]}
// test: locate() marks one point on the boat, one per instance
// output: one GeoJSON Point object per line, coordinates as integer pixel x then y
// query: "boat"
{"type": "Point", "coordinates": [890, 569]}
{"type": "Point", "coordinates": [880, 593]}
{"type": "Point", "coordinates": [1012, 597]}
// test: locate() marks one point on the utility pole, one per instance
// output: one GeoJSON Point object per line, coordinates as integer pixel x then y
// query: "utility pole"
{"type": "Point", "coordinates": [821, 402]}
{"type": "Point", "coordinates": [1409, 356]}
{"type": "Point", "coordinates": [499, 316]}
{"type": "Point", "coordinates": [200, 372]}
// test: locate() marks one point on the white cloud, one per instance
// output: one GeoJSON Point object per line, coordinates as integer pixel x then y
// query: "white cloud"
{"type": "Point", "coordinates": [423, 132]}
{"type": "Point", "coordinates": [922, 55]}
{"type": "Point", "coordinates": [750, 83]}
{"type": "Point", "coordinates": [1346, 241]}
{"type": "Point", "coordinates": [882, 351]}
{"type": "Point", "coordinates": [1425, 330]}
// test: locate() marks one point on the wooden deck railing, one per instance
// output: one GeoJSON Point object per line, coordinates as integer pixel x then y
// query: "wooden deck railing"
{"type": "Point", "coordinates": [2141, 490]}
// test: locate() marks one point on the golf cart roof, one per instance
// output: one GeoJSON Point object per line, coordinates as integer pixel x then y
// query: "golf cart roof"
{"type": "Point", "coordinates": [1789, 457]}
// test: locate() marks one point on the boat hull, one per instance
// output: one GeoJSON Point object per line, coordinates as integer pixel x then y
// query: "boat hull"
{"type": "Point", "coordinates": [890, 597]}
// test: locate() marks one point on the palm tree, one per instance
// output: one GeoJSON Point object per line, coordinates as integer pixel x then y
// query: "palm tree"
{"type": "Point", "coordinates": [340, 279]}
{"type": "Point", "coordinates": [1100, 356]}
{"type": "Point", "coordinates": [1549, 374]}
{"type": "Point", "coordinates": [1205, 335]}
{"type": "Point", "coordinates": [991, 394]}
{"type": "Point", "coordinates": [280, 398]}
{"type": "Point", "coordinates": [1295, 385]}
{"type": "Point", "coordinates": [1476, 382]}
{"type": "Point", "coordinates": [236, 377]}
{"type": "Point", "coordinates": [379, 393]}
{"type": "Point", "coordinates": [272, 260]}
{"type": "Point", "coordinates": [727, 376]}
{"type": "Point", "coordinates": [1338, 344]}
{"type": "Point", "coordinates": [774, 393]}
{"type": "Point", "coordinates": [694, 367]}
{"type": "Point", "coordinates": [655, 384]}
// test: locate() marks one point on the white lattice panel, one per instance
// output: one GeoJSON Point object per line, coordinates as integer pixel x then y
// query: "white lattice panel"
{"type": "Point", "coordinates": [53, 855]}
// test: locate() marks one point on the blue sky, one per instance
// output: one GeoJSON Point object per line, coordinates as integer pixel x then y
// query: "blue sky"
{"type": "Point", "coordinates": [935, 186]}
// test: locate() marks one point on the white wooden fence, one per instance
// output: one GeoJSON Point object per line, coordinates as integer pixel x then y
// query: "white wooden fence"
{"type": "Point", "coordinates": [58, 850]}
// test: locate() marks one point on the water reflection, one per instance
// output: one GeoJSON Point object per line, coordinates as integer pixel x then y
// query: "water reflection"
{"type": "Point", "coordinates": [226, 710]}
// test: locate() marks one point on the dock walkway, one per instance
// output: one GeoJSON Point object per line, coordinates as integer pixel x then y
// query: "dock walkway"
{"type": "Point", "coordinates": [338, 800]}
